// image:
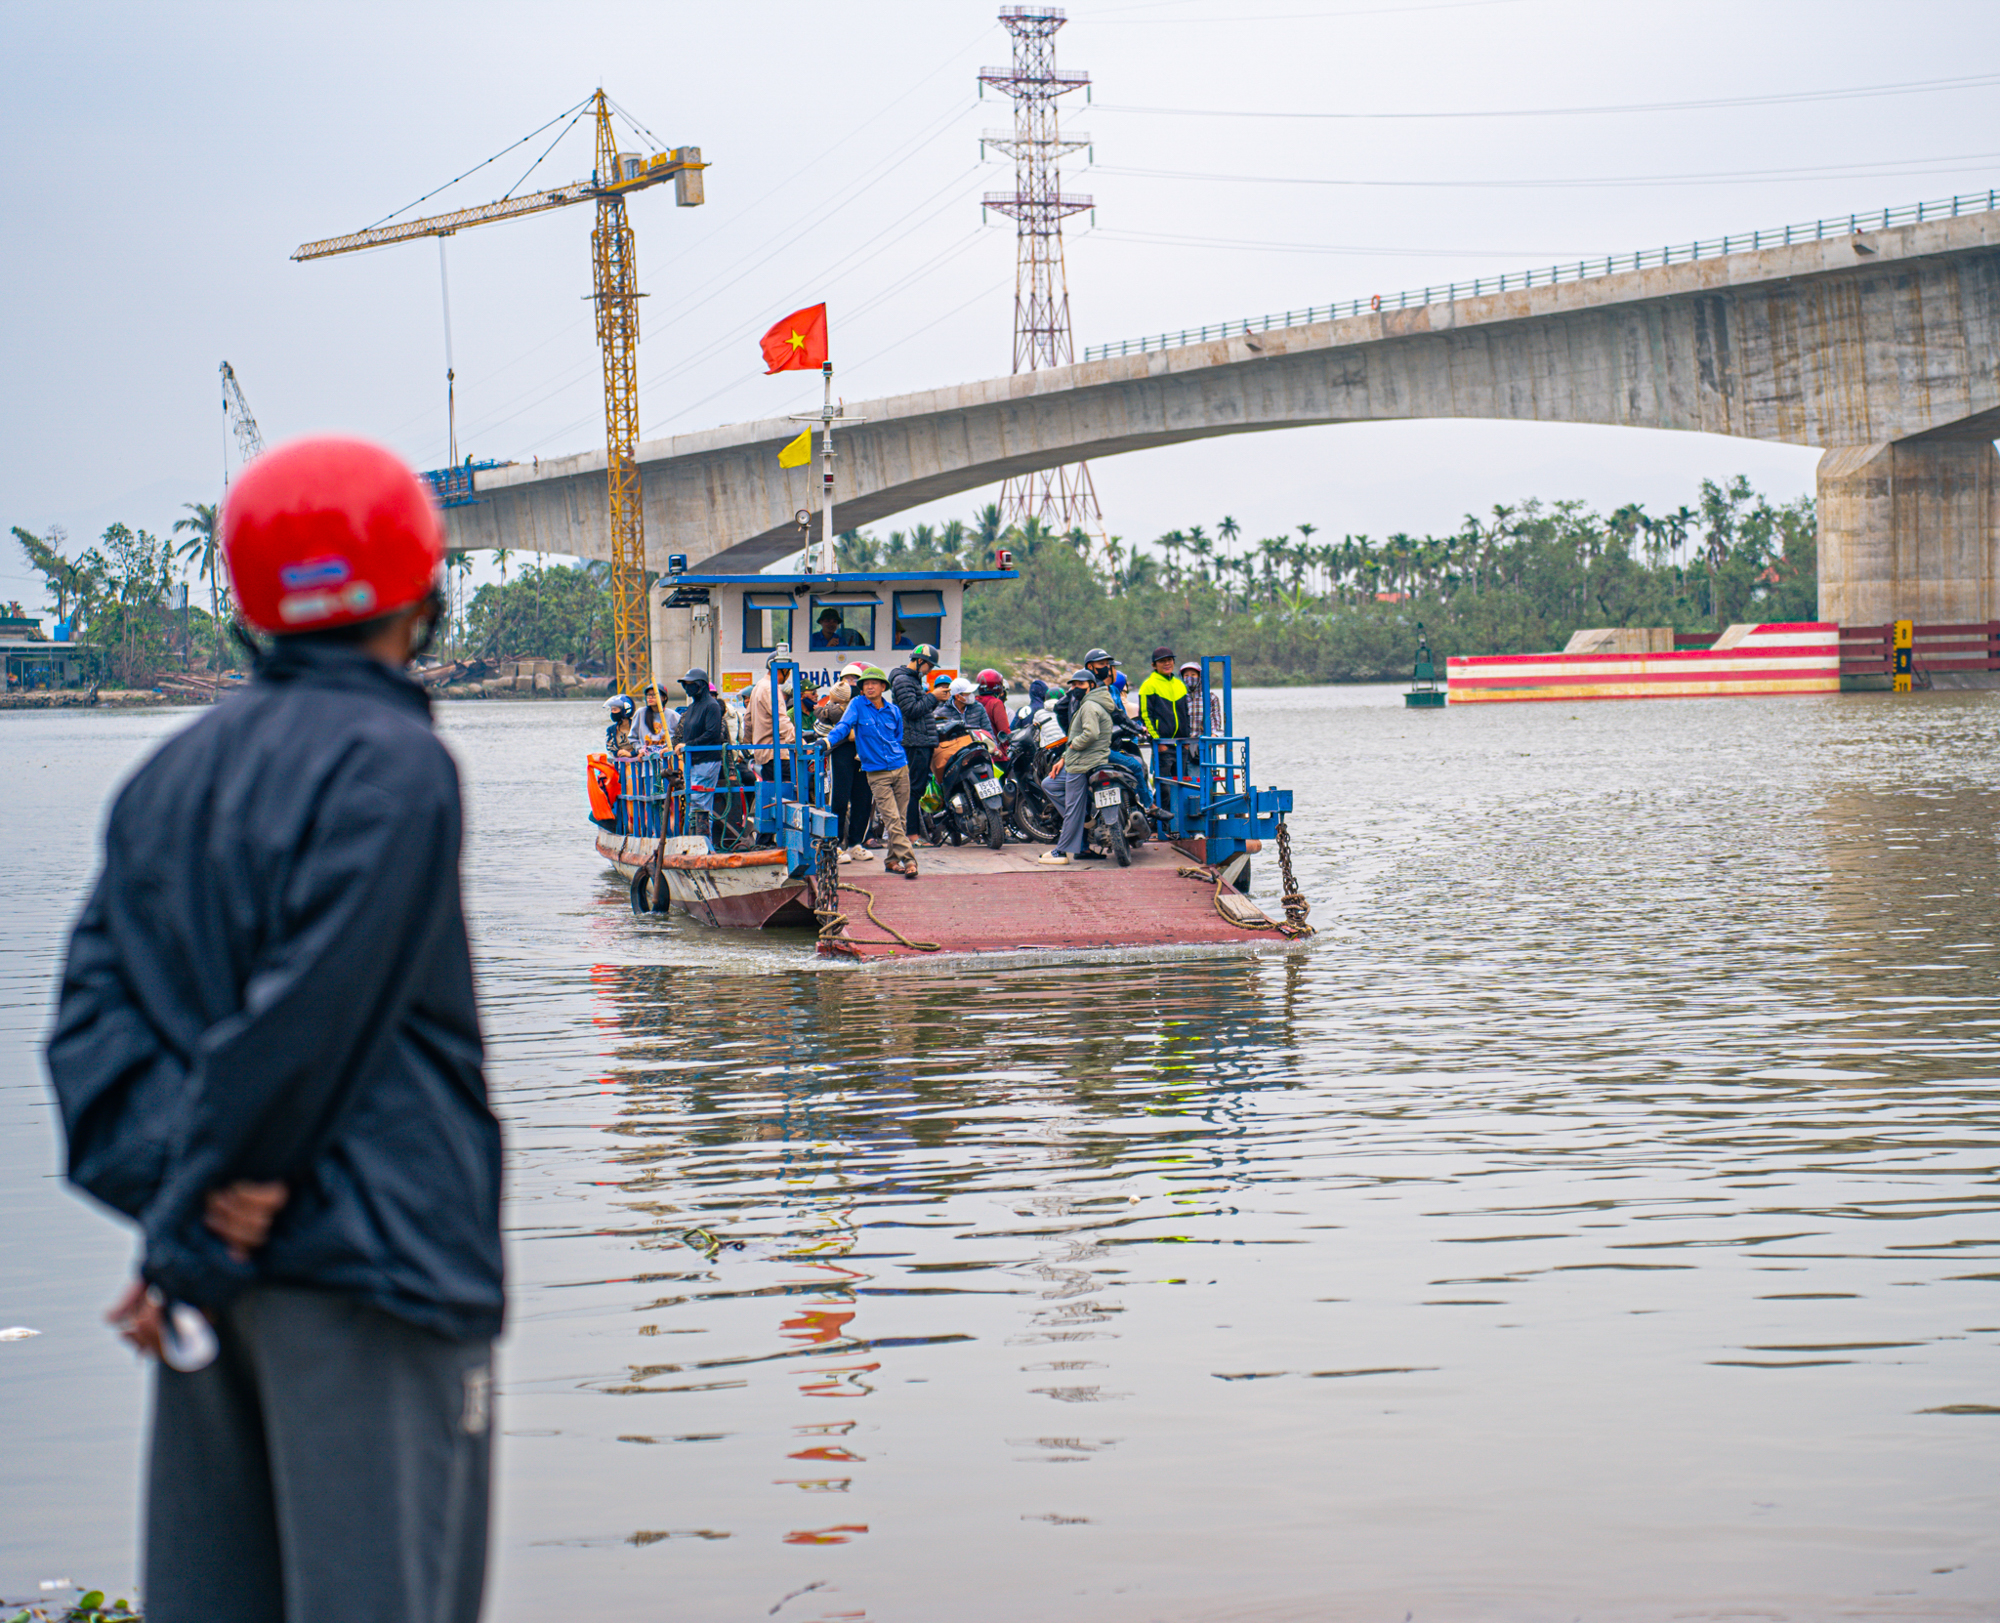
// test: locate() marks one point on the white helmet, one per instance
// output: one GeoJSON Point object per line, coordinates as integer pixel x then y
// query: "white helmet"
{"type": "Point", "coordinates": [851, 669]}
{"type": "Point", "coordinates": [962, 687]}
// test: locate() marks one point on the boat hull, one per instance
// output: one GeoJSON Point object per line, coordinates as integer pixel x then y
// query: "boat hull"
{"type": "Point", "coordinates": [1751, 661]}
{"type": "Point", "coordinates": [745, 890]}
{"type": "Point", "coordinates": [967, 899]}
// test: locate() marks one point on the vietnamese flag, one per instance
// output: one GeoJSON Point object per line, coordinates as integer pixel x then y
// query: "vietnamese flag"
{"type": "Point", "coordinates": [798, 343]}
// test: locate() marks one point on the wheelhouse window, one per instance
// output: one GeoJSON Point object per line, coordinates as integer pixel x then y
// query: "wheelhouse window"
{"type": "Point", "coordinates": [844, 620]}
{"type": "Point", "coordinates": [767, 620]}
{"type": "Point", "coordinates": [919, 618]}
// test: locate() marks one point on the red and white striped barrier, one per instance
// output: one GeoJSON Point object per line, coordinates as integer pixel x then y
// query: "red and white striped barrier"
{"type": "Point", "coordinates": [1746, 661]}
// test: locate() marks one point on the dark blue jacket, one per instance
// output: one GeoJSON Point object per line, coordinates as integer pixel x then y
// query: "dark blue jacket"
{"type": "Point", "coordinates": [877, 734]}
{"type": "Point", "coordinates": [271, 981]}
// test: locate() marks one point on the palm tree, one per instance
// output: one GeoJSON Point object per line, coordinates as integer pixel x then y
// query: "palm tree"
{"type": "Point", "coordinates": [203, 548]}
{"type": "Point", "coordinates": [952, 541]}
{"type": "Point", "coordinates": [1228, 530]}
{"type": "Point", "coordinates": [500, 557]}
{"type": "Point", "coordinates": [1305, 541]}
{"type": "Point", "coordinates": [1171, 543]}
{"type": "Point", "coordinates": [1201, 547]}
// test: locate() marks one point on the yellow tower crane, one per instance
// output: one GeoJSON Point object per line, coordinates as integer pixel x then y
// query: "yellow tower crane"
{"type": "Point", "coordinates": [616, 284]}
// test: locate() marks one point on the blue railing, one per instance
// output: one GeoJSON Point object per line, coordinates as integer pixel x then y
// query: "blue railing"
{"type": "Point", "coordinates": [453, 486]}
{"type": "Point", "coordinates": [654, 801]}
{"type": "Point", "coordinates": [1840, 225]}
{"type": "Point", "coordinates": [1204, 781]}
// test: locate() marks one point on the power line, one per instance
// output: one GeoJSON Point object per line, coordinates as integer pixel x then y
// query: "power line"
{"type": "Point", "coordinates": [1162, 240]}
{"type": "Point", "coordinates": [1908, 87]}
{"type": "Point", "coordinates": [1855, 171]}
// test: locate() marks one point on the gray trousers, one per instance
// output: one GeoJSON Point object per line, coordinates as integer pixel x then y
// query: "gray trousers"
{"type": "Point", "coordinates": [1073, 790]}
{"type": "Point", "coordinates": [333, 1463]}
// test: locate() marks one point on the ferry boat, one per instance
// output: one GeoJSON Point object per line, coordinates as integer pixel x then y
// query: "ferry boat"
{"type": "Point", "coordinates": [778, 864]}
{"type": "Point", "coordinates": [1642, 663]}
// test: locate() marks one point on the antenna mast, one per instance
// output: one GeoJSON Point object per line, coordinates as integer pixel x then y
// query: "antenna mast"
{"type": "Point", "coordinates": [1061, 497]}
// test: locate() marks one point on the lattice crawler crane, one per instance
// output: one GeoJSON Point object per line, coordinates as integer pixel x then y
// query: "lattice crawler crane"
{"type": "Point", "coordinates": [615, 277]}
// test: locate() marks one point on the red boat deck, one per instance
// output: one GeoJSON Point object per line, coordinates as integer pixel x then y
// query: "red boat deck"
{"type": "Point", "coordinates": [972, 899]}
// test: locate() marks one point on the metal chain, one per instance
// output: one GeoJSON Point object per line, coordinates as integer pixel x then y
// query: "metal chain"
{"type": "Point", "coordinates": [1296, 906]}
{"type": "Point", "coordinates": [826, 908]}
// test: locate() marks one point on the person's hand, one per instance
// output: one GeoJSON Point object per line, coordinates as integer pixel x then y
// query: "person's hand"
{"type": "Point", "coordinates": [137, 1317]}
{"type": "Point", "coordinates": [241, 1215]}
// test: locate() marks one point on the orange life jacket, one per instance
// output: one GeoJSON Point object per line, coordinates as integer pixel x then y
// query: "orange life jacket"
{"type": "Point", "coordinates": [601, 779]}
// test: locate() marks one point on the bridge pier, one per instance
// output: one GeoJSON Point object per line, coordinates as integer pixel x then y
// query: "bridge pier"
{"type": "Point", "coordinates": [1910, 530]}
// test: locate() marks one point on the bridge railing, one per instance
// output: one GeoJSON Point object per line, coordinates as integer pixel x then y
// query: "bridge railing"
{"type": "Point", "coordinates": [1839, 225]}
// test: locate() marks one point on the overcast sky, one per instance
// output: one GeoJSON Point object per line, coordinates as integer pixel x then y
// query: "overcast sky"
{"type": "Point", "coordinates": [161, 162]}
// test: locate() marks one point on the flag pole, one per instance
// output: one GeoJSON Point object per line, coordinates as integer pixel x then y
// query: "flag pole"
{"type": "Point", "coordinates": [827, 555]}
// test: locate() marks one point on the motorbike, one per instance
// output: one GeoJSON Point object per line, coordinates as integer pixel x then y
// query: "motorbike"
{"type": "Point", "coordinates": [1029, 805]}
{"type": "Point", "coordinates": [969, 792]}
{"type": "Point", "coordinates": [1118, 818]}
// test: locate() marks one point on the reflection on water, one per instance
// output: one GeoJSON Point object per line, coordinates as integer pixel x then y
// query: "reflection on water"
{"type": "Point", "coordinates": [1597, 1218]}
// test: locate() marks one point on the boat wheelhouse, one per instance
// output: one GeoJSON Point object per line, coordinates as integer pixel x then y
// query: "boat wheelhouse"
{"type": "Point", "coordinates": [823, 621]}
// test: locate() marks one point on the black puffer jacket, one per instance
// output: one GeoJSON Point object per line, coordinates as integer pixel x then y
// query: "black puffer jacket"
{"type": "Point", "coordinates": [271, 980]}
{"type": "Point", "coordinates": [912, 696]}
{"type": "Point", "coordinates": [702, 724]}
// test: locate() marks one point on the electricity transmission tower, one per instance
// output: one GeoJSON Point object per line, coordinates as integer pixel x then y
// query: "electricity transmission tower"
{"type": "Point", "coordinates": [1063, 498]}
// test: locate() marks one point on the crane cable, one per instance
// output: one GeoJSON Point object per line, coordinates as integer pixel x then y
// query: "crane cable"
{"type": "Point", "coordinates": [509, 147]}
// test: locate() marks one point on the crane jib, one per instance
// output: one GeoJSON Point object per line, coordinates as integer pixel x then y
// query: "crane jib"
{"type": "Point", "coordinates": [508, 208]}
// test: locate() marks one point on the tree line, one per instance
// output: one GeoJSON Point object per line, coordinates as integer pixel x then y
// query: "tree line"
{"type": "Point", "coordinates": [121, 597]}
{"type": "Point", "coordinates": [1293, 607]}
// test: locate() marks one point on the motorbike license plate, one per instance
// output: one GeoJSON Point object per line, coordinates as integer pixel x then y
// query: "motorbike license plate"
{"type": "Point", "coordinates": [1051, 733]}
{"type": "Point", "coordinates": [987, 789]}
{"type": "Point", "coordinates": [1106, 797]}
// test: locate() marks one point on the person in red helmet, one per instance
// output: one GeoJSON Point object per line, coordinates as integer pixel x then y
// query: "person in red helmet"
{"type": "Point", "coordinates": [267, 1056]}
{"type": "Point", "coordinates": [992, 692]}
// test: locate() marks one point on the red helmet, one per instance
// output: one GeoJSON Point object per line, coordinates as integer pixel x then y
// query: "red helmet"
{"type": "Point", "coordinates": [991, 682]}
{"type": "Point", "coordinates": [328, 532]}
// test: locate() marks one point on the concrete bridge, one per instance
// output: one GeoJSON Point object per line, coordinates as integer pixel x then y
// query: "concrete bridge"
{"type": "Point", "coordinates": [1879, 346]}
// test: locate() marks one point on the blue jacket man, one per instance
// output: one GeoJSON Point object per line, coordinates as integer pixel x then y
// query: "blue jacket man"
{"type": "Point", "coordinates": [876, 726]}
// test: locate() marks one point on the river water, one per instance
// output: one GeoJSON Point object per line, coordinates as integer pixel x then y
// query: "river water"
{"type": "Point", "coordinates": [1597, 1219]}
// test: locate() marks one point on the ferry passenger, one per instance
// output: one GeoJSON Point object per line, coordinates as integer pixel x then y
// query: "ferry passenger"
{"type": "Point", "coordinates": [992, 691]}
{"type": "Point", "coordinates": [877, 728]}
{"type": "Point", "coordinates": [702, 733]}
{"type": "Point", "coordinates": [759, 727]}
{"type": "Point", "coordinates": [1163, 707]}
{"type": "Point", "coordinates": [911, 695]}
{"type": "Point", "coordinates": [618, 734]}
{"type": "Point", "coordinates": [650, 727]}
{"type": "Point", "coordinates": [1103, 669]}
{"type": "Point", "coordinates": [849, 794]}
{"type": "Point", "coordinates": [1038, 694]}
{"type": "Point", "coordinates": [963, 705]}
{"type": "Point", "coordinates": [1068, 781]}
{"type": "Point", "coordinates": [832, 633]}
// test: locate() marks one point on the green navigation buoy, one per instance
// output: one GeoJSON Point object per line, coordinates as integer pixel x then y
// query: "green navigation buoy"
{"type": "Point", "coordinates": [1425, 692]}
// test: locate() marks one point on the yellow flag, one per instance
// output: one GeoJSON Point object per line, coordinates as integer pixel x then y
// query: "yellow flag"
{"type": "Point", "coordinates": [799, 452]}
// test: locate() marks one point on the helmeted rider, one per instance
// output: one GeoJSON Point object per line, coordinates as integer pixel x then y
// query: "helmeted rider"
{"type": "Point", "coordinates": [1068, 782]}
{"type": "Point", "coordinates": [909, 689]}
{"type": "Point", "coordinates": [267, 1055]}
{"type": "Point", "coordinates": [963, 705]}
{"type": "Point", "coordinates": [618, 731]}
{"type": "Point", "coordinates": [702, 733]}
{"type": "Point", "coordinates": [1102, 667]}
{"type": "Point", "coordinates": [992, 691]}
